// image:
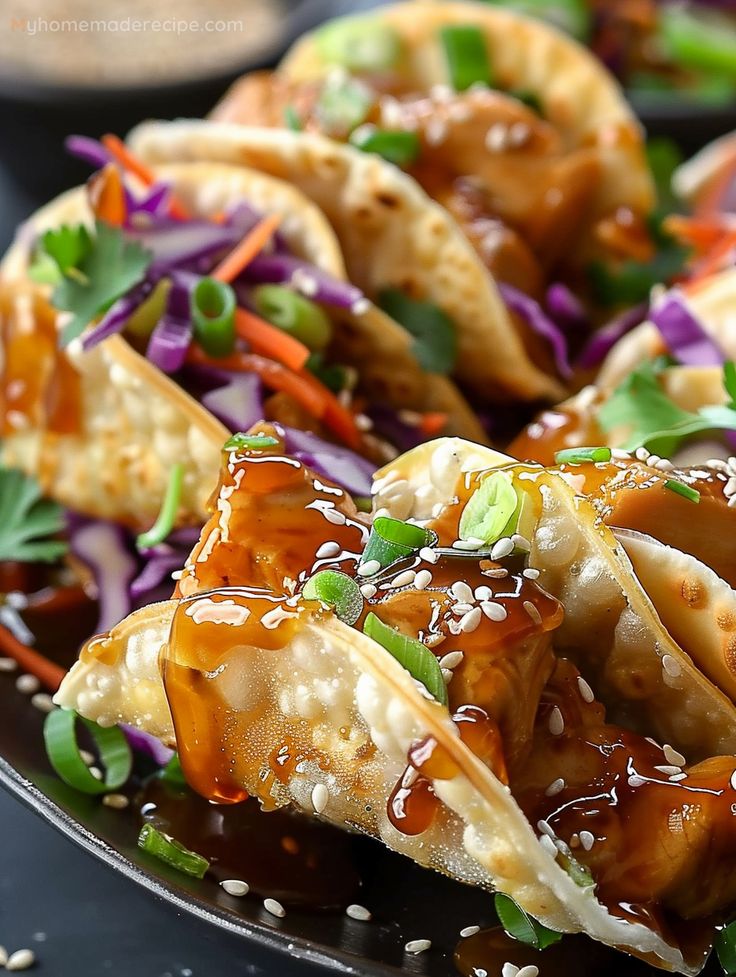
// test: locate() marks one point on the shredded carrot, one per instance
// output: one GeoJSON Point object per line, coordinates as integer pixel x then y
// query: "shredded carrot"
{"type": "Point", "coordinates": [304, 388]}
{"type": "Point", "coordinates": [122, 155]}
{"type": "Point", "coordinates": [700, 233]}
{"type": "Point", "coordinates": [270, 341]}
{"type": "Point", "coordinates": [432, 422]}
{"type": "Point", "coordinates": [47, 672]}
{"type": "Point", "coordinates": [251, 245]}
{"type": "Point", "coordinates": [107, 196]}
{"type": "Point", "coordinates": [713, 260]}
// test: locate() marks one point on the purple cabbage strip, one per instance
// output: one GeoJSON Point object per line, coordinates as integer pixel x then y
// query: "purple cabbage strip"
{"type": "Point", "coordinates": [566, 309]}
{"type": "Point", "coordinates": [340, 465]}
{"type": "Point", "coordinates": [147, 744]}
{"type": "Point", "coordinates": [177, 243]}
{"type": "Point", "coordinates": [388, 425]}
{"type": "Point", "coordinates": [602, 342]}
{"type": "Point", "coordinates": [151, 207]}
{"type": "Point", "coordinates": [88, 150]}
{"type": "Point", "coordinates": [684, 335]}
{"type": "Point", "coordinates": [169, 342]}
{"type": "Point", "coordinates": [103, 547]}
{"type": "Point", "coordinates": [280, 269]}
{"type": "Point", "coordinates": [540, 323]}
{"type": "Point", "coordinates": [157, 569]}
{"type": "Point", "coordinates": [116, 316]}
{"type": "Point", "coordinates": [237, 403]}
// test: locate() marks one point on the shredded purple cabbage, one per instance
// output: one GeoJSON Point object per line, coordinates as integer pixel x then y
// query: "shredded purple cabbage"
{"type": "Point", "coordinates": [282, 269]}
{"type": "Point", "coordinates": [602, 342]}
{"type": "Point", "coordinates": [104, 548]}
{"type": "Point", "coordinates": [147, 744]}
{"type": "Point", "coordinates": [169, 342]}
{"type": "Point", "coordinates": [566, 310]}
{"type": "Point", "coordinates": [88, 150]}
{"type": "Point", "coordinates": [339, 464]}
{"type": "Point", "coordinates": [152, 206]}
{"type": "Point", "coordinates": [237, 403]}
{"type": "Point", "coordinates": [684, 335]}
{"type": "Point", "coordinates": [540, 323]}
{"type": "Point", "coordinates": [388, 425]}
{"type": "Point", "coordinates": [114, 320]}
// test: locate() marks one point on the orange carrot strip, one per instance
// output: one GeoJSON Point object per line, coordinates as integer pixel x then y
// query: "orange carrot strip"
{"type": "Point", "coordinates": [338, 418]}
{"type": "Point", "coordinates": [47, 672]}
{"type": "Point", "coordinates": [432, 422]}
{"type": "Point", "coordinates": [271, 341]}
{"type": "Point", "coordinates": [106, 195]}
{"type": "Point", "coordinates": [120, 152]}
{"type": "Point", "coordinates": [251, 245]}
{"type": "Point", "coordinates": [713, 259]}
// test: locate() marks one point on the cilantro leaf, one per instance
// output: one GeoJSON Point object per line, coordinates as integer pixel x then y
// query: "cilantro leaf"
{"type": "Point", "coordinates": [655, 421]}
{"type": "Point", "coordinates": [519, 925]}
{"type": "Point", "coordinates": [97, 269]}
{"type": "Point", "coordinates": [26, 520]}
{"type": "Point", "coordinates": [435, 338]}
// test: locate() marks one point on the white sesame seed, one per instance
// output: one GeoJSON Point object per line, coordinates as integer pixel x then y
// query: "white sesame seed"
{"type": "Point", "coordinates": [368, 568]}
{"type": "Point", "coordinates": [494, 611]}
{"type": "Point", "coordinates": [504, 547]}
{"type": "Point", "coordinates": [423, 579]}
{"type": "Point", "coordinates": [468, 545]}
{"type": "Point", "coordinates": [428, 554]}
{"type": "Point", "coordinates": [531, 970]}
{"type": "Point", "coordinates": [116, 801]}
{"type": "Point", "coordinates": [274, 907]}
{"type": "Point", "coordinates": [451, 660]}
{"type": "Point", "coordinates": [530, 573]}
{"type": "Point", "coordinates": [470, 622]}
{"type": "Point", "coordinates": [436, 131]}
{"type": "Point", "coordinates": [462, 592]}
{"type": "Point", "coordinates": [677, 777]}
{"type": "Point", "coordinates": [587, 839]}
{"type": "Point", "coordinates": [21, 960]}
{"type": "Point", "coordinates": [673, 756]}
{"type": "Point", "coordinates": [460, 609]}
{"type": "Point", "coordinates": [27, 684]}
{"type": "Point", "coordinates": [556, 722]}
{"type": "Point", "coordinates": [8, 665]}
{"type": "Point", "coordinates": [360, 306]}
{"type": "Point", "coordinates": [3, 956]}
{"type": "Point", "coordinates": [417, 946]}
{"type": "Point", "coordinates": [732, 502]}
{"type": "Point", "coordinates": [519, 133]}
{"type": "Point", "coordinates": [327, 550]}
{"type": "Point", "coordinates": [636, 781]}
{"type": "Point", "coordinates": [320, 797]}
{"type": "Point", "coordinates": [532, 612]}
{"type": "Point", "coordinates": [354, 911]}
{"type": "Point", "coordinates": [334, 516]}
{"type": "Point", "coordinates": [235, 887]}
{"type": "Point", "coordinates": [509, 970]}
{"type": "Point", "coordinates": [496, 139]}
{"type": "Point", "coordinates": [96, 773]}
{"type": "Point", "coordinates": [641, 454]}
{"type": "Point", "coordinates": [89, 758]}
{"type": "Point", "coordinates": [664, 465]}
{"type": "Point", "coordinates": [521, 542]}
{"type": "Point", "coordinates": [483, 593]}
{"type": "Point", "coordinates": [586, 693]}
{"type": "Point", "coordinates": [667, 770]}
{"type": "Point", "coordinates": [555, 787]}
{"type": "Point", "coordinates": [368, 590]}
{"type": "Point", "coordinates": [446, 675]}
{"type": "Point", "coordinates": [467, 931]}
{"type": "Point", "coordinates": [671, 666]}
{"type": "Point", "coordinates": [404, 579]}
{"type": "Point", "coordinates": [548, 845]}
{"type": "Point", "coordinates": [43, 702]}
{"type": "Point", "coordinates": [546, 829]}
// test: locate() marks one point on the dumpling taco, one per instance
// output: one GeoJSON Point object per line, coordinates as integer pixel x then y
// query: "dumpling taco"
{"type": "Point", "coordinates": [486, 688]}
{"type": "Point", "coordinates": [147, 315]}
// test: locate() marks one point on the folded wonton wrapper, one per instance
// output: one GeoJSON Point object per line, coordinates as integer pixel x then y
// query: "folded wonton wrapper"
{"type": "Point", "coordinates": [133, 421]}
{"type": "Point", "coordinates": [392, 235]}
{"type": "Point", "coordinates": [332, 692]}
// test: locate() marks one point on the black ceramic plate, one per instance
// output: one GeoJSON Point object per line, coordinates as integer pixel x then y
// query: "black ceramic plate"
{"type": "Point", "coordinates": [407, 902]}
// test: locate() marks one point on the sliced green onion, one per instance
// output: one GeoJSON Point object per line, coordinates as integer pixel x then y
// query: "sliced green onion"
{"type": "Point", "coordinates": [172, 774]}
{"type": "Point", "coordinates": [400, 148]}
{"type": "Point", "coordinates": [729, 381]}
{"type": "Point", "coordinates": [520, 926]}
{"type": "Point", "coordinates": [359, 44]}
{"type": "Point", "coordinates": [60, 737]}
{"type": "Point", "coordinates": [165, 521]}
{"type": "Point", "coordinates": [391, 540]}
{"type": "Point", "coordinates": [679, 488]}
{"type": "Point", "coordinates": [213, 316]}
{"type": "Point", "coordinates": [579, 456]}
{"type": "Point", "coordinates": [338, 591]}
{"type": "Point", "coordinates": [169, 850]}
{"type": "Point", "coordinates": [249, 442]}
{"type": "Point", "coordinates": [435, 336]}
{"type": "Point", "coordinates": [415, 657]}
{"type": "Point", "coordinates": [143, 321]}
{"type": "Point", "coordinates": [699, 42]}
{"type": "Point", "coordinates": [726, 949]}
{"type": "Point", "coordinates": [335, 377]}
{"type": "Point", "coordinates": [294, 314]}
{"type": "Point", "coordinates": [579, 873]}
{"type": "Point", "coordinates": [343, 104]}
{"type": "Point", "coordinates": [292, 120]}
{"type": "Point", "coordinates": [492, 510]}
{"type": "Point", "coordinates": [467, 56]}
{"type": "Point", "coordinates": [572, 16]}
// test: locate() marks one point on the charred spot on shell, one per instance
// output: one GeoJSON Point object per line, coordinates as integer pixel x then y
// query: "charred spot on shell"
{"type": "Point", "coordinates": [729, 654]}
{"type": "Point", "coordinates": [694, 593]}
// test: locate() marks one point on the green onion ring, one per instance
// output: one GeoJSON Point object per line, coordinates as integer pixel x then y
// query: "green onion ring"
{"type": "Point", "coordinates": [337, 590]}
{"type": "Point", "coordinates": [249, 442]}
{"type": "Point", "coordinates": [391, 540]}
{"type": "Point", "coordinates": [213, 307]}
{"type": "Point", "coordinates": [467, 56]}
{"type": "Point", "coordinates": [679, 488]}
{"type": "Point", "coordinates": [60, 737]}
{"type": "Point", "coordinates": [169, 850]}
{"type": "Point", "coordinates": [579, 456]}
{"type": "Point", "coordinates": [400, 148]}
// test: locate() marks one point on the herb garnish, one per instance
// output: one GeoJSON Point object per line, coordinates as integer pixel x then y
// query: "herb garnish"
{"type": "Point", "coordinates": [26, 520]}
{"type": "Point", "coordinates": [521, 926]}
{"type": "Point", "coordinates": [435, 338]}
{"type": "Point", "coordinates": [415, 657]}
